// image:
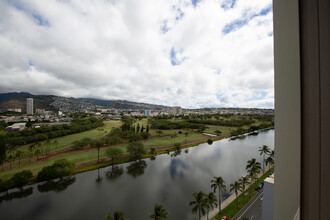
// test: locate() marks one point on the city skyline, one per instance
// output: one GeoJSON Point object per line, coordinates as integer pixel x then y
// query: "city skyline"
{"type": "Point", "coordinates": [192, 54]}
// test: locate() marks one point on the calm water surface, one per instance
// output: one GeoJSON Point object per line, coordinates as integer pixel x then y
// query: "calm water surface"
{"type": "Point", "coordinates": [135, 187]}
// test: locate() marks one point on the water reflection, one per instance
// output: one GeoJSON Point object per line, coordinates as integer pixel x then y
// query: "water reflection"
{"type": "Point", "coordinates": [17, 195]}
{"type": "Point", "coordinates": [136, 168]}
{"type": "Point", "coordinates": [170, 181]}
{"type": "Point", "coordinates": [176, 153]}
{"type": "Point", "coordinates": [153, 158]}
{"type": "Point", "coordinates": [56, 186]}
{"type": "Point", "coordinates": [113, 172]}
{"type": "Point", "coordinates": [98, 178]}
{"type": "Point", "coordinates": [177, 168]}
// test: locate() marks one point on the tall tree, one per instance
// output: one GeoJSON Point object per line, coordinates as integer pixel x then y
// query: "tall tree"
{"type": "Point", "coordinates": [211, 201]}
{"type": "Point", "coordinates": [2, 151]}
{"type": "Point", "coordinates": [147, 129]}
{"type": "Point", "coordinates": [113, 153]}
{"type": "Point", "coordinates": [19, 155]}
{"type": "Point", "coordinates": [117, 215]}
{"type": "Point", "coordinates": [244, 181]}
{"type": "Point", "coordinates": [199, 203]}
{"type": "Point", "coordinates": [159, 132]}
{"type": "Point", "coordinates": [253, 167]}
{"type": "Point", "coordinates": [136, 149]}
{"type": "Point", "coordinates": [31, 148]}
{"type": "Point", "coordinates": [218, 183]}
{"type": "Point", "coordinates": [55, 143]}
{"type": "Point", "coordinates": [98, 146]}
{"type": "Point", "coordinates": [235, 187]}
{"type": "Point", "coordinates": [263, 151]}
{"type": "Point", "coordinates": [11, 154]}
{"type": "Point", "coordinates": [159, 212]}
{"type": "Point", "coordinates": [186, 135]}
{"type": "Point", "coordinates": [47, 144]}
{"type": "Point", "coordinates": [269, 161]}
{"type": "Point", "coordinates": [138, 128]}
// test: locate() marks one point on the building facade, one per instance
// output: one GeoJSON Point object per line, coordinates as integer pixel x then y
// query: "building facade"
{"type": "Point", "coordinates": [29, 106]}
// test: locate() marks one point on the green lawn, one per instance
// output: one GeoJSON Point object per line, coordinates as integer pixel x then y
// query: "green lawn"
{"type": "Point", "coordinates": [65, 142]}
{"type": "Point", "coordinates": [91, 154]}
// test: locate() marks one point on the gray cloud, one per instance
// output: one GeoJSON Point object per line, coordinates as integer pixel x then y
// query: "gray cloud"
{"type": "Point", "coordinates": [118, 50]}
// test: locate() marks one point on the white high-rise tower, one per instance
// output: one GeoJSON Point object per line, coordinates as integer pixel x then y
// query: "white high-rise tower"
{"type": "Point", "coordinates": [29, 106]}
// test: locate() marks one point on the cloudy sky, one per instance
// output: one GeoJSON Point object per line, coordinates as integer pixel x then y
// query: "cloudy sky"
{"type": "Point", "coordinates": [206, 53]}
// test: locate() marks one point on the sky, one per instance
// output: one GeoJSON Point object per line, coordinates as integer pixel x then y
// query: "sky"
{"type": "Point", "coordinates": [188, 53]}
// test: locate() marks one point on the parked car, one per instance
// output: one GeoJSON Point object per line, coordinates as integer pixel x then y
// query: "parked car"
{"type": "Point", "coordinates": [225, 218]}
{"type": "Point", "coordinates": [259, 186]}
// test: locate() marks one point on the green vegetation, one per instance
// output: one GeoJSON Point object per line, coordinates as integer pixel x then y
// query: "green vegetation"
{"type": "Point", "coordinates": [45, 133]}
{"type": "Point", "coordinates": [159, 212]}
{"type": "Point", "coordinates": [117, 215]}
{"type": "Point", "coordinates": [80, 148]}
{"type": "Point", "coordinates": [264, 150]}
{"type": "Point", "coordinates": [218, 183]}
{"type": "Point", "coordinates": [21, 178]}
{"type": "Point", "coordinates": [199, 204]}
{"type": "Point", "coordinates": [58, 169]}
{"type": "Point", "coordinates": [136, 149]}
{"type": "Point", "coordinates": [231, 210]}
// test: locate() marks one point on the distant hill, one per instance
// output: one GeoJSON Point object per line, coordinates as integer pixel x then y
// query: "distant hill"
{"type": "Point", "coordinates": [54, 103]}
{"type": "Point", "coordinates": [18, 100]}
{"type": "Point", "coordinates": [5, 96]}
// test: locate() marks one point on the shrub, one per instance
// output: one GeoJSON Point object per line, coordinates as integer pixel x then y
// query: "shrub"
{"type": "Point", "coordinates": [59, 169]}
{"type": "Point", "coordinates": [21, 178]}
{"type": "Point", "coordinates": [145, 135]}
{"type": "Point", "coordinates": [177, 146]}
{"type": "Point", "coordinates": [4, 185]}
{"type": "Point", "coordinates": [209, 141]}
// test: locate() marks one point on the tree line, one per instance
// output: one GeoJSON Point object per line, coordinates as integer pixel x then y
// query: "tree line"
{"type": "Point", "coordinates": [43, 133]}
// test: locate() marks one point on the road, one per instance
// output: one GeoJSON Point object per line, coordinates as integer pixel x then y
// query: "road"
{"type": "Point", "coordinates": [253, 210]}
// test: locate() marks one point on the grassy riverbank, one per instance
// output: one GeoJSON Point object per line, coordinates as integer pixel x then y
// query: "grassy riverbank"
{"type": "Point", "coordinates": [85, 158]}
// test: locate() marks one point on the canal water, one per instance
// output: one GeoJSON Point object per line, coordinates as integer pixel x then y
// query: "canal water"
{"type": "Point", "coordinates": [135, 187]}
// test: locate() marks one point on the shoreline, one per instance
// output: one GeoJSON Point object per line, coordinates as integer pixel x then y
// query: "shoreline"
{"type": "Point", "coordinates": [87, 167]}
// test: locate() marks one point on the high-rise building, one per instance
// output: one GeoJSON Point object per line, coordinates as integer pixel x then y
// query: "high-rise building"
{"type": "Point", "coordinates": [29, 106]}
{"type": "Point", "coordinates": [147, 112]}
{"type": "Point", "coordinates": [177, 110]}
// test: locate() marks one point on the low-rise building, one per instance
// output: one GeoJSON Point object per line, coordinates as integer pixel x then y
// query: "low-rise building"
{"type": "Point", "coordinates": [16, 127]}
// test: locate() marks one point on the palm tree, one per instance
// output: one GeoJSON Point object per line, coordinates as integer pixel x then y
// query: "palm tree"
{"type": "Point", "coordinates": [55, 143]}
{"type": "Point", "coordinates": [244, 181]}
{"type": "Point", "coordinates": [98, 146]}
{"type": "Point", "coordinates": [253, 167]}
{"type": "Point", "coordinates": [271, 158]}
{"type": "Point", "coordinates": [47, 143]}
{"type": "Point", "coordinates": [263, 151]}
{"type": "Point", "coordinates": [235, 187]}
{"type": "Point", "coordinates": [269, 161]}
{"type": "Point", "coordinates": [117, 215]}
{"type": "Point", "coordinates": [19, 154]}
{"type": "Point", "coordinates": [218, 183]}
{"type": "Point", "coordinates": [159, 212]}
{"type": "Point", "coordinates": [199, 203]}
{"type": "Point", "coordinates": [211, 201]}
{"type": "Point", "coordinates": [31, 149]}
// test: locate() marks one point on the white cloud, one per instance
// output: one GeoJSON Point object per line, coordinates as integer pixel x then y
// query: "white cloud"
{"type": "Point", "coordinates": [119, 50]}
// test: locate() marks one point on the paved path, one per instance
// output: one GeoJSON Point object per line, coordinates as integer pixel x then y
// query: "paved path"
{"type": "Point", "coordinates": [252, 210]}
{"type": "Point", "coordinates": [227, 201]}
